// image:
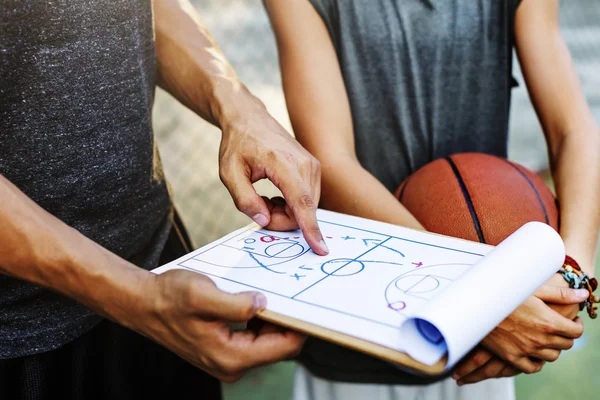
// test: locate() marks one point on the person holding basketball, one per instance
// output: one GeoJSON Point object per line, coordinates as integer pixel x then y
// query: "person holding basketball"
{"type": "Point", "coordinates": [376, 90]}
{"type": "Point", "coordinates": [85, 210]}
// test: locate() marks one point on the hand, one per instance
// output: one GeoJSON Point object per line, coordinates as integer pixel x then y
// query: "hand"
{"type": "Point", "coordinates": [536, 331]}
{"type": "Point", "coordinates": [481, 365]}
{"type": "Point", "coordinates": [569, 311]}
{"type": "Point", "coordinates": [255, 147]}
{"type": "Point", "coordinates": [188, 314]}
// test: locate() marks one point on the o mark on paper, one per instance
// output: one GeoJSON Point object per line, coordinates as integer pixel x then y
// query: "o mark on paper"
{"type": "Point", "coordinates": [284, 250]}
{"type": "Point", "coordinates": [342, 267]}
{"type": "Point", "coordinates": [397, 305]}
{"type": "Point", "coordinates": [268, 239]}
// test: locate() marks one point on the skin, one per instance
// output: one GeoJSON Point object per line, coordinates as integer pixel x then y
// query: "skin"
{"type": "Point", "coordinates": [318, 104]}
{"type": "Point", "coordinates": [181, 310]}
{"type": "Point", "coordinates": [573, 146]}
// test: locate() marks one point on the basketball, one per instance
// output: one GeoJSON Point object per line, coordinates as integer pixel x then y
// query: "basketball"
{"type": "Point", "coordinates": [477, 197]}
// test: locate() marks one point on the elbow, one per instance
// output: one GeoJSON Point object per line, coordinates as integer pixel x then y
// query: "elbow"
{"type": "Point", "coordinates": [581, 142]}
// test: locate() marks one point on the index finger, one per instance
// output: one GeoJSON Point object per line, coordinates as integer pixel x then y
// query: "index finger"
{"type": "Point", "coordinates": [299, 198]}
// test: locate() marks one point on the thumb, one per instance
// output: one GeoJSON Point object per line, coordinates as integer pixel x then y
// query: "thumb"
{"type": "Point", "coordinates": [561, 295]}
{"type": "Point", "coordinates": [239, 307]}
{"type": "Point", "coordinates": [244, 195]}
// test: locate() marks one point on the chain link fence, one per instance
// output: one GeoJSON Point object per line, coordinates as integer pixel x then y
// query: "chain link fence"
{"type": "Point", "coordinates": [189, 146]}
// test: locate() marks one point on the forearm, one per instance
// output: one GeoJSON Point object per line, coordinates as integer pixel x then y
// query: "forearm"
{"type": "Point", "coordinates": [192, 67]}
{"type": "Point", "coordinates": [350, 189]}
{"type": "Point", "coordinates": [39, 248]}
{"type": "Point", "coordinates": [568, 124]}
{"type": "Point", "coordinates": [576, 171]}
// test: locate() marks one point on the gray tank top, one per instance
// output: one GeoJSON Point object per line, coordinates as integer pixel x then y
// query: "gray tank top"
{"type": "Point", "coordinates": [425, 79]}
{"type": "Point", "coordinates": [76, 91]}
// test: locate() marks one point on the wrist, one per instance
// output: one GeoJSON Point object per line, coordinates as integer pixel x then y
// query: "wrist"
{"type": "Point", "coordinates": [232, 103]}
{"type": "Point", "coordinates": [576, 277]}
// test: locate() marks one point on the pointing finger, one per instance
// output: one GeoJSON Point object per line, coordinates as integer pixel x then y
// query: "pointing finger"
{"type": "Point", "coordinates": [300, 200]}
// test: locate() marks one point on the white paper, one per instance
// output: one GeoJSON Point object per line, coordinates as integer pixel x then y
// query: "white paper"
{"type": "Point", "coordinates": [380, 280]}
{"type": "Point", "coordinates": [470, 308]}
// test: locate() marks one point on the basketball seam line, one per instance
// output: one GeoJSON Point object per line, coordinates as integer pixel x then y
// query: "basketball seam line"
{"type": "Point", "coordinates": [403, 189]}
{"type": "Point", "coordinates": [532, 187]}
{"type": "Point", "coordinates": [467, 197]}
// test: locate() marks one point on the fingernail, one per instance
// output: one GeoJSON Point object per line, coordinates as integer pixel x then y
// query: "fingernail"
{"type": "Point", "coordinates": [455, 376]}
{"type": "Point", "coordinates": [260, 219]}
{"type": "Point", "coordinates": [459, 383]}
{"type": "Point", "coordinates": [260, 301]}
{"type": "Point", "coordinates": [582, 294]}
{"type": "Point", "coordinates": [324, 246]}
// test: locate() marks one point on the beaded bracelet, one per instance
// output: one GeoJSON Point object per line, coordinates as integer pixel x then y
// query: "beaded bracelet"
{"type": "Point", "coordinates": [578, 279]}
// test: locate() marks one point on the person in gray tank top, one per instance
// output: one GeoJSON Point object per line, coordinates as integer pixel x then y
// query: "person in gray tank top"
{"type": "Point", "coordinates": [85, 212]}
{"type": "Point", "coordinates": [376, 89]}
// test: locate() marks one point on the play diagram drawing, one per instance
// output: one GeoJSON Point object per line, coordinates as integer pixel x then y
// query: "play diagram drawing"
{"type": "Point", "coordinates": [410, 292]}
{"type": "Point", "coordinates": [375, 276]}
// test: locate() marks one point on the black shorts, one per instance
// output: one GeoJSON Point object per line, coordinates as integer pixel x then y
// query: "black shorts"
{"type": "Point", "coordinates": [109, 362]}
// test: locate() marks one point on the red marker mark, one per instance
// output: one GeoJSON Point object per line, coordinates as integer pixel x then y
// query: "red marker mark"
{"type": "Point", "coordinates": [296, 237]}
{"type": "Point", "coordinates": [419, 264]}
{"type": "Point", "coordinates": [329, 237]}
{"type": "Point", "coordinates": [268, 239]}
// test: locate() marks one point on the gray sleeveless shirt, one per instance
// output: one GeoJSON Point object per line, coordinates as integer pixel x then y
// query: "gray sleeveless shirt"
{"type": "Point", "coordinates": [425, 79]}
{"type": "Point", "coordinates": [76, 91]}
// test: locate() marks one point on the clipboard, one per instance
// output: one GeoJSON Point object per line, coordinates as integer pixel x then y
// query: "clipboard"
{"type": "Point", "coordinates": [397, 294]}
{"type": "Point", "coordinates": [397, 358]}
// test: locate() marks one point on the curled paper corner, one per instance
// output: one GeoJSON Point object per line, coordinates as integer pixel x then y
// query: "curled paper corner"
{"type": "Point", "coordinates": [425, 342]}
{"type": "Point", "coordinates": [452, 323]}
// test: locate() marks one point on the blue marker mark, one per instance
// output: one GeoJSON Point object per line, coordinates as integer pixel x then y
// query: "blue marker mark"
{"type": "Point", "coordinates": [297, 276]}
{"type": "Point", "coordinates": [394, 250]}
{"type": "Point", "coordinates": [429, 331]}
{"type": "Point", "coordinates": [366, 241]}
{"type": "Point", "coordinates": [306, 268]}
{"type": "Point", "coordinates": [381, 262]}
{"type": "Point", "coordinates": [347, 237]}
{"type": "Point", "coordinates": [263, 265]}
{"type": "Point", "coordinates": [248, 248]}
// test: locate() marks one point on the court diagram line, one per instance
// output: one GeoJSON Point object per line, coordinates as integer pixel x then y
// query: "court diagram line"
{"type": "Point", "coordinates": [299, 275]}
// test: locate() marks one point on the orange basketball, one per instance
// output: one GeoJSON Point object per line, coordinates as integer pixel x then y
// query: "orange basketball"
{"type": "Point", "coordinates": [477, 197]}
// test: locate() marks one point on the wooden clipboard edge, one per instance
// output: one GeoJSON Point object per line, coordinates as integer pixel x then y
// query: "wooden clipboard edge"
{"type": "Point", "coordinates": [364, 346]}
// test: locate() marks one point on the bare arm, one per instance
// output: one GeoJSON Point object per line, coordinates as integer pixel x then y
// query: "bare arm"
{"type": "Point", "coordinates": [320, 113]}
{"type": "Point", "coordinates": [571, 132]}
{"type": "Point", "coordinates": [574, 149]}
{"type": "Point", "coordinates": [39, 248]}
{"type": "Point", "coordinates": [181, 310]}
{"type": "Point", "coordinates": [254, 146]}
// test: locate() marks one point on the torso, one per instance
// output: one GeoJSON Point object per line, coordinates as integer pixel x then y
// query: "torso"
{"type": "Point", "coordinates": [76, 90]}
{"type": "Point", "coordinates": [425, 79]}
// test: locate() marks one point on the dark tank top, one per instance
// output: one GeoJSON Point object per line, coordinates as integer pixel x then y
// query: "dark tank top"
{"type": "Point", "coordinates": [77, 84]}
